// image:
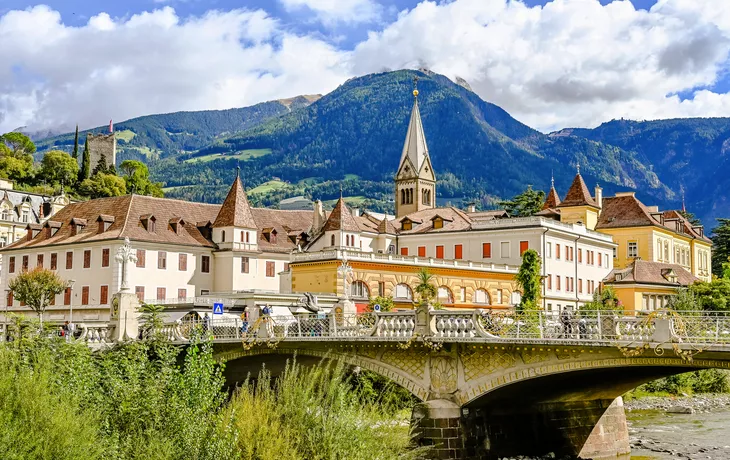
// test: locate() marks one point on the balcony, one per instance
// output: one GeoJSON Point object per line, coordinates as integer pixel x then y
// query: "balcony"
{"type": "Point", "coordinates": [415, 261]}
{"type": "Point", "coordinates": [238, 246]}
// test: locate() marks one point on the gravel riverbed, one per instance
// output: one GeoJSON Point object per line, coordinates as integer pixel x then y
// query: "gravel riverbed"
{"type": "Point", "coordinates": [698, 403]}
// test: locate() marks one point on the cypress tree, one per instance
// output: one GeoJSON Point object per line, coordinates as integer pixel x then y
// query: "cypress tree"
{"type": "Point", "coordinates": [85, 172]}
{"type": "Point", "coordinates": [76, 145]}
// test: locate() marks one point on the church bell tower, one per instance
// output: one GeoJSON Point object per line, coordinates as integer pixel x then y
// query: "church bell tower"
{"type": "Point", "coordinates": [415, 182]}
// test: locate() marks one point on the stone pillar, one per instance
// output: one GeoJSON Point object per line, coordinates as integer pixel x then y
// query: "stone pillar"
{"type": "Point", "coordinates": [610, 436]}
{"type": "Point", "coordinates": [438, 424]}
{"type": "Point", "coordinates": [125, 316]}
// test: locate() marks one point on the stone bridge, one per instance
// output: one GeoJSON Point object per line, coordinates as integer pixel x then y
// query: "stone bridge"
{"type": "Point", "coordinates": [492, 385]}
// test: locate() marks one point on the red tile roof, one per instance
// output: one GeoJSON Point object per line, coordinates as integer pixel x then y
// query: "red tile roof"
{"type": "Point", "coordinates": [553, 200]}
{"type": "Point", "coordinates": [341, 219]}
{"type": "Point", "coordinates": [645, 272]}
{"type": "Point", "coordinates": [578, 194]}
{"type": "Point", "coordinates": [235, 211]}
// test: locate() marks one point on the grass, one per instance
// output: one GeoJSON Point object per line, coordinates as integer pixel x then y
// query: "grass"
{"type": "Point", "coordinates": [310, 181]}
{"type": "Point", "coordinates": [125, 135]}
{"type": "Point", "coordinates": [358, 200]}
{"type": "Point", "coordinates": [351, 177]}
{"type": "Point", "coordinates": [269, 186]}
{"type": "Point", "coordinates": [243, 155]}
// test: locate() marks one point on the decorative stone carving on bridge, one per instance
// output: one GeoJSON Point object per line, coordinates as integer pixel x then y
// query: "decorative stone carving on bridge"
{"type": "Point", "coordinates": [480, 361]}
{"type": "Point", "coordinates": [443, 374]}
{"type": "Point", "coordinates": [411, 361]}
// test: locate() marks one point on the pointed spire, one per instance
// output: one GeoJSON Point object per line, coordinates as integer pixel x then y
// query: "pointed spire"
{"type": "Point", "coordinates": [577, 168]}
{"type": "Point", "coordinates": [552, 179]}
{"type": "Point", "coordinates": [578, 194]}
{"type": "Point", "coordinates": [341, 219]}
{"type": "Point", "coordinates": [415, 148]}
{"type": "Point", "coordinates": [681, 190]}
{"type": "Point", "coordinates": [553, 199]}
{"type": "Point", "coordinates": [235, 211]}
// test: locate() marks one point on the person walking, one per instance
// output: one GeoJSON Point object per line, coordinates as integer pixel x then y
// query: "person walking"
{"type": "Point", "coordinates": [206, 323]}
{"type": "Point", "coordinates": [565, 320]}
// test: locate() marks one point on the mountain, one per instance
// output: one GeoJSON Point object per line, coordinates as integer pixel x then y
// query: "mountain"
{"type": "Point", "coordinates": [689, 153]}
{"type": "Point", "coordinates": [357, 131]}
{"type": "Point", "coordinates": [153, 137]}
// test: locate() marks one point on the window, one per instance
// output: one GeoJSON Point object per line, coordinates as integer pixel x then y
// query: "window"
{"type": "Point", "coordinates": [244, 264]}
{"type": "Point", "coordinates": [381, 288]}
{"type": "Point", "coordinates": [572, 254]}
{"type": "Point", "coordinates": [67, 296]}
{"type": "Point", "coordinates": [182, 262]}
{"type": "Point", "coordinates": [24, 267]}
{"type": "Point", "coordinates": [85, 295]}
{"type": "Point", "coordinates": [421, 251]}
{"type": "Point", "coordinates": [39, 260]}
{"type": "Point", "coordinates": [445, 295]}
{"type": "Point", "coordinates": [247, 237]}
{"type": "Point", "coordinates": [403, 291]}
{"type": "Point", "coordinates": [487, 250]}
{"type": "Point", "coordinates": [548, 250]}
{"type": "Point", "coordinates": [557, 282]}
{"type": "Point", "coordinates": [406, 225]}
{"type": "Point", "coordinates": [205, 264]}
{"type": "Point", "coordinates": [104, 295]}
{"type": "Point", "coordinates": [87, 258]}
{"type": "Point", "coordinates": [439, 252]}
{"type": "Point", "coordinates": [332, 240]}
{"type": "Point", "coordinates": [270, 269]}
{"type": "Point", "coordinates": [499, 297]}
{"type": "Point", "coordinates": [600, 260]}
{"type": "Point", "coordinates": [204, 292]}
{"type": "Point", "coordinates": [580, 286]}
{"type": "Point", "coordinates": [550, 282]}
{"type": "Point", "coordinates": [580, 256]}
{"type": "Point", "coordinates": [359, 289]}
{"type": "Point", "coordinates": [151, 225]}
{"type": "Point", "coordinates": [504, 249]}
{"type": "Point", "coordinates": [438, 223]}
{"type": "Point", "coordinates": [139, 290]}
{"type": "Point", "coordinates": [6, 215]}
{"type": "Point", "coordinates": [11, 264]}
{"type": "Point", "coordinates": [10, 299]}
{"type": "Point", "coordinates": [141, 258]}
{"type": "Point", "coordinates": [223, 236]}
{"type": "Point", "coordinates": [404, 251]}
{"type": "Point", "coordinates": [182, 294]}
{"type": "Point", "coordinates": [633, 249]}
{"type": "Point", "coordinates": [161, 260]}
{"type": "Point", "coordinates": [458, 251]}
{"type": "Point", "coordinates": [666, 251]}
{"type": "Point", "coordinates": [54, 261]}
{"type": "Point", "coordinates": [524, 246]}
{"type": "Point", "coordinates": [105, 257]}
{"type": "Point", "coordinates": [557, 251]}
{"type": "Point", "coordinates": [481, 296]}
{"type": "Point", "coordinates": [69, 260]}
{"type": "Point", "coordinates": [26, 215]}
{"type": "Point", "coordinates": [567, 253]}
{"type": "Point", "coordinates": [161, 293]}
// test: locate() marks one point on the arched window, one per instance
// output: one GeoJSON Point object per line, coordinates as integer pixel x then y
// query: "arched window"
{"type": "Point", "coordinates": [6, 214]}
{"type": "Point", "coordinates": [359, 289]}
{"type": "Point", "coordinates": [332, 240]}
{"type": "Point", "coordinates": [481, 296]}
{"type": "Point", "coordinates": [403, 291]}
{"type": "Point", "coordinates": [402, 196]}
{"type": "Point", "coordinates": [445, 295]}
{"type": "Point", "coordinates": [247, 240]}
{"type": "Point", "coordinates": [223, 236]}
{"type": "Point", "coordinates": [666, 251]}
{"type": "Point", "coordinates": [242, 237]}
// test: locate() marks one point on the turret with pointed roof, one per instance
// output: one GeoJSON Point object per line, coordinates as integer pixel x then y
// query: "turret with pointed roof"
{"type": "Point", "coordinates": [553, 199]}
{"type": "Point", "coordinates": [341, 219]}
{"type": "Point", "coordinates": [578, 206]}
{"type": "Point", "coordinates": [578, 194]}
{"type": "Point", "coordinates": [415, 181]}
{"type": "Point", "coordinates": [235, 211]}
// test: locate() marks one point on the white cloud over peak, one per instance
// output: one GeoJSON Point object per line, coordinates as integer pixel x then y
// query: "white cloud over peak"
{"type": "Point", "coordinates": [332, 11]}
{"type": "Point", "coordinates": [570, 63]}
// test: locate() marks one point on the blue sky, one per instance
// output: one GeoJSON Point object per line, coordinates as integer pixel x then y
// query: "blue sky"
{"type": "Point", "coordinates": [550, 63]}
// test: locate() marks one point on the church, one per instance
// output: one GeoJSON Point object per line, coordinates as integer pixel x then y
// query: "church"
{"type": "Point", "coordinates": [191, 254]}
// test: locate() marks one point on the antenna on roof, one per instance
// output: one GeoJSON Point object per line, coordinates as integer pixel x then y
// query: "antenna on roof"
{"type": "Point", "coordinates": [577, 167]}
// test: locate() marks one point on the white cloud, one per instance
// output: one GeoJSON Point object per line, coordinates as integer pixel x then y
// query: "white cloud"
{"type": "Point", "coordinates": [55, 75]}
{"type": "Point", "coordinates": [331, 11]}
{"type": "Point", "coordinates": [570, 63]}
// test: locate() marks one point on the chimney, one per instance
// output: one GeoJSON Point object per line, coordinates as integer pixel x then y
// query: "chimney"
{"type": "Point", "coordinates": [355, 211]}
{"type": "Point", "coordinates": [471, 207]}
{"type": "Point", "coordinates": [319, 217]}
{"type": "Point", "coordinates": [599, 196]}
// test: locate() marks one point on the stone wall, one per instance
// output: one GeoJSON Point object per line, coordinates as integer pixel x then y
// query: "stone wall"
{"type": "Point", "coordinates": [102, 144]}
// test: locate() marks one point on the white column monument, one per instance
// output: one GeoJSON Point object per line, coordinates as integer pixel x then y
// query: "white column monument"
{"type": "Point", "coordinates": [125, 305]}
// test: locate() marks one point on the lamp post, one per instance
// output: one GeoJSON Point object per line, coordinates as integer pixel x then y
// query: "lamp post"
{"type": "Point", "coordinates": [71, 303]}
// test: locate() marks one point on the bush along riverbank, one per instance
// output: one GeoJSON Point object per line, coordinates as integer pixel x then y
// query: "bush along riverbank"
{"type": "Point", "coordinates": [703, 390]}
{"type": "Point", "coordinates": [150, 399]}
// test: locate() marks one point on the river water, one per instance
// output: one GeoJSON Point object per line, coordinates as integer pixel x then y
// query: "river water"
{"type": "Point", "coordinates": [657, 435]}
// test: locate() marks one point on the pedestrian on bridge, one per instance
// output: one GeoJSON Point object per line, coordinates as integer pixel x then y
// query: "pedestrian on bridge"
{"type": "Point", "coordinates": [566, 318]}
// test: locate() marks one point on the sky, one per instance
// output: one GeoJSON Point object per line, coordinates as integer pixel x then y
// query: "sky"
{"type": "Point", "coordinates": [551, 64]}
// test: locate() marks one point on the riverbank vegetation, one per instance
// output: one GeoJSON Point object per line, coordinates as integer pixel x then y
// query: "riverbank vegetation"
{"type": "Point", "coordinates": [150, 399]}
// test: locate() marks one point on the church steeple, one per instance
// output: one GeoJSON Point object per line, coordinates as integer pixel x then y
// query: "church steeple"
{"type": "Point", "coordinates": [415, 182]}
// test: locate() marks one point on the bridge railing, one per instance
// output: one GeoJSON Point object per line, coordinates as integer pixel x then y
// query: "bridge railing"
{"type": "Point", "coordinates": [701, 327]}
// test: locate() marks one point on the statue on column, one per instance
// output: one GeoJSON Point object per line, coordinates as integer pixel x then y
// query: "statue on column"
{"type": "Point", "coordinates": [125, 254]}
{"type": "Point", "coordinates": [346, 271]}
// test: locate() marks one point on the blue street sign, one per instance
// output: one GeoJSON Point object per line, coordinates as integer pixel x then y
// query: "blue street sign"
{"type": "Point", "coordinates": [217, 308]}
{"type": "Point", "coordinates": [376, 307]}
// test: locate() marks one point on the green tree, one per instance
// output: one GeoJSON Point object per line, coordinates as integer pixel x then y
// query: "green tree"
{"type": "Point", "coordinates": [16, 157]}
{"type": "Point", "coordinates": [386, 303]}
{"type": "Point", "coordinates": [59, 167]}
{"type": "Point", "coordinates": [712, 296]}
{"type": "Point", "coordinates": [529, 279]}
{"type": "Point", "coordinates": [683, 300]}
{"type": "Point", "coordinates": [525, 204]}
{"type": "Point", "coordinates": [425, 288]}
{"type": "Point", "coordinates": [103, 185]}
{"type": "Point", "coordinates": [36, 288]}
{"type": "Point", "coordinates": [137, 177]}
{"type": "Point", "coordinates": [75, 155]}
{"type": "Point", "coordinates": [18, 143]}
{"type": "Point", "coordinates": [101, 166]}
{"type": "Point", "coordinates": [85, 172]}
{"type": "Point", "coordinates": [720, 245]}
{"type": "Point", "coordinates": [603, 300]}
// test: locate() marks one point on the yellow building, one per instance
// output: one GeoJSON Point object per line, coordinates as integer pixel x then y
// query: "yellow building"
{"type": "Point", "coordinates": [644, 232]}
{"type": "Point", "coordinates": [460, 284]}
{"type": "Point", "coordinates": [645, 286]}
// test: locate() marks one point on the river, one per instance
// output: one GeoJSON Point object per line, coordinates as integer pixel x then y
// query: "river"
{"type": "Point", "coordinates": [657, 435]}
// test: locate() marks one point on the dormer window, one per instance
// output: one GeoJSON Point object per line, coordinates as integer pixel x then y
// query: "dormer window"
{"type": "Point", "coordinates": [270, 234]}
{"type": "Point", "coordinates": [105, 221]}
{"type": "Point", "coordinates": [6, 214]}
{"type": "Point", "coordinates": [406, 224]}
{"type": "Point", "coordinates": [177, 224]}
{"type": "Point", "coordinates": [77, 225]}
{"type": "Point", "coordinates": [670, 275]}
{"type": "Point", "coordinates": [25, 216]}
{"type": "Point", "coordinates": [52, 227]}
{"type": "Point", "coordinates": [205, 229]}
{"type": "Point", "coordinates": [438, 223]}
{"type": "Point", "coordinates": [148, 221]}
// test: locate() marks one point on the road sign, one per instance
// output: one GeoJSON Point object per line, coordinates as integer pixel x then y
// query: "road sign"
{"type": "Point", "coordinates": [376, 307]}
{"type": "Point", "coordinates": [217, 308]}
